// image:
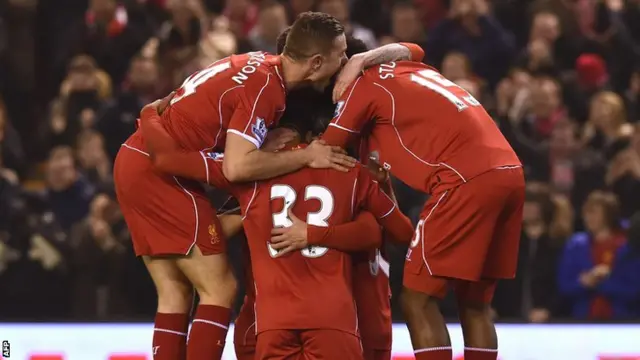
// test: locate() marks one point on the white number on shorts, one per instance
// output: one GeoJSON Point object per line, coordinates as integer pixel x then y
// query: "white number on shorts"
{"type": "Point", "coordinates": [417, 236]}
{"type": "Point", "coordinates": [281, 218]}
{"type": "Point", "coordinates": [198, 78]}
{"type": "Point", "coordinates": [445, 88]}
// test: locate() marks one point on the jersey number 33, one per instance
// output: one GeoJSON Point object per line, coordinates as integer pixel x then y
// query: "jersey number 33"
{"type": "Point", "coordinates": [319, 218]}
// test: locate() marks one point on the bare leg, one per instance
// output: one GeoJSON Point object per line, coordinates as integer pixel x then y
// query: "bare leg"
{"type": "Point", "coordinates": [175, 298]}
{"type": "Point", "coordinates": [479, 331]}
{"type": "Point", "coordinates": [216, 285]}
{"type": "Point", "coordinates": [428, 330]}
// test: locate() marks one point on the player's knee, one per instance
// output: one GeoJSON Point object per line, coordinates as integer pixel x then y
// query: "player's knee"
{"type": "Point", "coordinates": [220, 290]}
{"type": "Point", "coordinates": [473, 310]}
{"type": "Point", "coordinates": [416, 305]}
{"type": "Point", "coordinates": [174, 297]}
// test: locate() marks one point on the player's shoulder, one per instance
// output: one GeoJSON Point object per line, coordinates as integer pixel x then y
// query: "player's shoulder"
{"type": "Point", "coordinates": [256, 69]}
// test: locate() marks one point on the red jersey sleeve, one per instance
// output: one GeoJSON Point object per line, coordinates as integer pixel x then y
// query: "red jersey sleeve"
{"type": "Point", "coordinates": [370, 196]}
{"type": "Point", "coordinates": [361, 234]}
{"type": "Point", "coordinates": [258, 108]}
{"type": "Point", "coordinates": [353, 111]}
{"type": "Point", "coordinates": [417, 54]}
{"type": "Point", "coordinates": [167, 156]}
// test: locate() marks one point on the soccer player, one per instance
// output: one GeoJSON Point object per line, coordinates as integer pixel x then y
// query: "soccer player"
{"type": "Point", "coordinates": [292, 290]}
{"type": "Point", "coordinates": [436, 138]}
{"type": "Point", "coordinates": [370, 269]}
{"type": "Point", "coordinates": [228, 107]}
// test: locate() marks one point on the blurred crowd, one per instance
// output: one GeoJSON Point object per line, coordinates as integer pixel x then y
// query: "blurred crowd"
{"type": "Point", "coordinates": [560, 77]}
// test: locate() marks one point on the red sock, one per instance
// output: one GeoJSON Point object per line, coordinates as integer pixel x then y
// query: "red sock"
{"type": "Point", "coordinates": [170, 336]}
{"type": "Point", "coordinates": [480, 354]}
{"type": "Point", "coordinates": [208, 333]}
{"type": "Point", "coordinates": [436, 353]}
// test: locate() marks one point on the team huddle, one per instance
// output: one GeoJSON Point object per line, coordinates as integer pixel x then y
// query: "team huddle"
{"type": "Point", "coordinates": [315, 219]}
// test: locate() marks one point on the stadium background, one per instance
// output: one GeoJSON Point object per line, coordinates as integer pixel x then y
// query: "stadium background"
{"type": "Point", "coordinates": [561, 78]}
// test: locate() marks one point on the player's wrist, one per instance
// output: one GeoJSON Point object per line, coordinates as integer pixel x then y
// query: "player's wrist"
{"type": "Point", "coordinates": [315, 234]}
{"type": "Point", "coordinates": [306, 156]}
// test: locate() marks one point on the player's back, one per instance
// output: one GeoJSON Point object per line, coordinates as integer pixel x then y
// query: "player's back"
{"type": "Point", "coordinates": [310, 288]}
{"type": "Point", "coordinates": [203, 108]}
{"type": "Point", "coordinates": [429, 131]}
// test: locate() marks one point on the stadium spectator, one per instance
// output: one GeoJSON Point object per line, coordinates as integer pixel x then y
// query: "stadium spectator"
{"type": "Point", "coordinates": [340, 10]}
{"type": "Point", "coordinates": [547, 222]}
{"type": "Point", "coordinates": [68, 193]}
{"type": "Point", "coordinates": [596, 274]}
{"type": "Point", "coordinates": [107, 34]}
{"type": "Point", "coordinates": [405, 25]}
{"type": "Point", "coordinates": [272, 20]}
{"type": "Point", "coordinates": [472, 30]}
{"type": "Point", "coordinates": [623, 176]}
{"type": "Point", "coordinates": [116, 120]}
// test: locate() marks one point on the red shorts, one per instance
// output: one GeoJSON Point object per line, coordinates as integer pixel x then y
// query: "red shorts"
{"type": "Point", "coordinates": [308, 345]}
{"type": "Point", "coordinates": [372, 295]}
{"type": "Point", "coordinates": [244, 333]}
{"type": "Point", "coordinates": [470, 234]}
{"type": "Point", "coordinates": [165, 214]}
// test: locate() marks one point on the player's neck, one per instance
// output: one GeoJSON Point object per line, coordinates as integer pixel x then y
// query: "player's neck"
{"type": "Point", "coordinates": [292, 73]}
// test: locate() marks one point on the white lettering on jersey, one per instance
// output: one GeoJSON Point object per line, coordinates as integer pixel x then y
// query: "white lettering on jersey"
{"type": "Point", "coordinates": [216, 156]}
{"type": "Point", "coordinates": [320, 218]}
{"type": "Point", "coordinates": [385, 71]}
{"type": "Point", "coordinates": [445, 88]}
{"type": "Point", "coordinates": [339, 107]}
{"type": "Point", "coordinates": [255, 60]}
{"type": "Point", "coordinates": [259, 130]}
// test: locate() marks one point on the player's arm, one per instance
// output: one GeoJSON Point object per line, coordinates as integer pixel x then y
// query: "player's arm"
{"type": "Point", "coordinates": [384, 54]}
{"type": "Point", "coordinates": [371, 197]}
{"type": "Point", "coordinates": [361, 234]}
{"type": "Point", "coordinates": [248, 130]}
{"type": "Point", "coordinates": [353, 111]}
{"type": "Point", "coordinates": [167, 157]}
{"type": "Point", "coordinates": [391, 52]}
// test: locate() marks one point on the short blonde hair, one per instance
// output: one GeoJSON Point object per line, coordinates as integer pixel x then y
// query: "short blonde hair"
{"type": "Point", "coordinates": [615, 101]}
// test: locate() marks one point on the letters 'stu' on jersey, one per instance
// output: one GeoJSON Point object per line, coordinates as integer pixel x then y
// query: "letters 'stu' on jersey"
{"type": "Point", "coordinates": [429, 132]}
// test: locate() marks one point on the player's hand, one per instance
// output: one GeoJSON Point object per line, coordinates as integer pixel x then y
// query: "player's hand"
{"type": "Point", "coordinates": [322, 156]}
{"type": "Point", "coordinates": [379, 173]}
{"type": "Point", "coordinates": [347, 75]}
{"type": "Point", "coordinates": [278, 138]}
{"type": "Point", "coordinates": [289, 239]}
{"type": "Point", "coordinates": [159, 105]}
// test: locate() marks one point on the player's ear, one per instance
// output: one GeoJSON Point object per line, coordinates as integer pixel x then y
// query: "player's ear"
{"type": "Point", "coordinates": [316, 62]}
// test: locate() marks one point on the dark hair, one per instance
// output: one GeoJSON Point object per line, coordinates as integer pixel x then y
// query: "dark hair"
{"type": "Point", "coordinates": [282, 39]}
{"type": "Point", "coordinates": [312, 33]}
{"type": "Point", "coordinates": [610, 205]}
{"type": "Point", "coordinates": [542, 197]}
{"type": "Point", "coordinates": [308, 110]}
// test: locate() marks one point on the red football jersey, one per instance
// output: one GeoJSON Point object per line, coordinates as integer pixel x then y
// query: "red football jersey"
{"type": "Point", "coordinates": [427, 131]}
{"type": "Point", "coordinates": [241, 94]}
{"type": "Point", "coordinates": [372, 294]}
{"type": "Point", "coordinates": [311, 288]}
